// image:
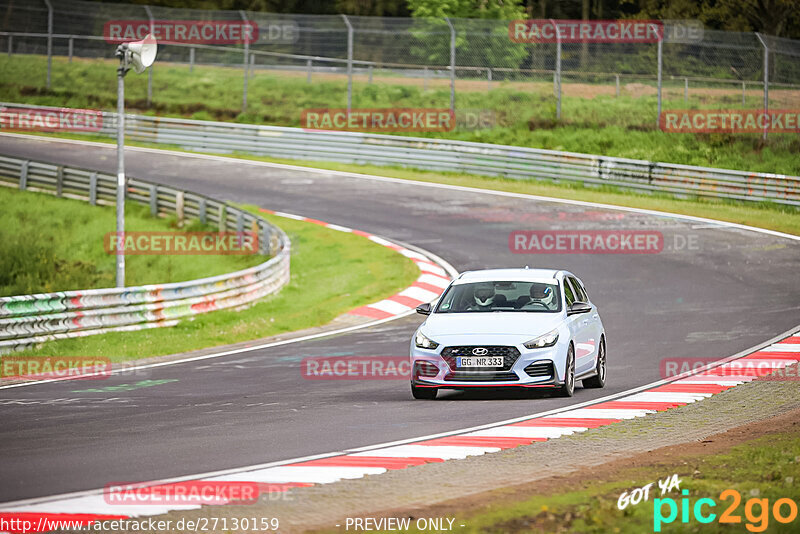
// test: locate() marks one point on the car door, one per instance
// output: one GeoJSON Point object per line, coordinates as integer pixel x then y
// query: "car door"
{"type": "Point", "coordinates": [578, 326]}
{"type": "Point", "coordinates": [588, 327]}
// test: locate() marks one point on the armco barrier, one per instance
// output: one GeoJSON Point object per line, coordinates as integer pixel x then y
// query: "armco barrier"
{"type": "Point", "coordinates": [454, 156]}
{"type": "Point", "coordinates": [29, 319]}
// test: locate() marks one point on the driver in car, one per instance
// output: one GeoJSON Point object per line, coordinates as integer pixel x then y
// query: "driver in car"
{"type": "Point", "coordinates": [542, 295]}
{"type": "Point", "coordinates": [483, 298]}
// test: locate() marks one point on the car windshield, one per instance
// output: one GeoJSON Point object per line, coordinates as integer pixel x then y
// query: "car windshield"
{"type": "Point", "coordinates": [501, 297]}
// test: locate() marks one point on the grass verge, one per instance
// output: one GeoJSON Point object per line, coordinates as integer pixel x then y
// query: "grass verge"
{"type": "Point", "coordinates": [331, 272]}
{"type": "Point", "coordinates": [593, 120]}
{"type": "Point", "coordinates": [53, 244]}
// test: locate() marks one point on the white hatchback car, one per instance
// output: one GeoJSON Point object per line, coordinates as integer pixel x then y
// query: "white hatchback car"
{"type": "Point", "coordinates": [532, 328]}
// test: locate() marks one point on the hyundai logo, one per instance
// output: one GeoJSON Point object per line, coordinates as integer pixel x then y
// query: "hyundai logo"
{"type": "Point", "coordinates": [480, 351]}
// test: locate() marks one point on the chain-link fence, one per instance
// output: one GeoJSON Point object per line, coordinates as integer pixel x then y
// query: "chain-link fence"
{"type": "Point", "coordinates": [726, 69]}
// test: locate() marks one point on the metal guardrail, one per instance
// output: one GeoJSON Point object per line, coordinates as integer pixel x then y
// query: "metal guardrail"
{"type": "Point", "coordinates": [31, 319]}
{"type": "Point", "coordinates": [455, 156]}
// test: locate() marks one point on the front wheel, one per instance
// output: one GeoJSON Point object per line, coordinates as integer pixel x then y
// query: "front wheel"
{"type": "Point", "coordinates": [568, 388]}
{"type": "Point", "coordinates": [423, 393]}
{"type": "Point", "coordinates": [599, 379]}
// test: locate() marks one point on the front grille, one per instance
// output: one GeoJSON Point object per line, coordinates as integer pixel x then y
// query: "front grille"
{"type": "Point", "coordinates": [509, 354]}
{"type": "Point", "coordinates": [462, 376]}
{"type": "Point", "coordinates": [540, 369]}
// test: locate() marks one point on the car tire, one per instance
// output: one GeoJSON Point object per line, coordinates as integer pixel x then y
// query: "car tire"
{"type": "Point", "coordinates": [423, 393]}
{"type": "Point", "coordinates": [598, 380]}
{"type": "Point", "coordinates": [567, 389]}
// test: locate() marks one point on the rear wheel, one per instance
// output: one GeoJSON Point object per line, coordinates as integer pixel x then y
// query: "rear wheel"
{"type": "Point", "coordinates": [423, 393]}
{"type": "Point", "coordinates": [598, 380]}
{"type": "Point", "coordinates": [568, 388]}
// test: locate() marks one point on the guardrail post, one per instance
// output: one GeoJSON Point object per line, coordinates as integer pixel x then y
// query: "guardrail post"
{"type": "Point", "coordinates": [93, 189]}
{"type": "Point", "coordinates": [308, 67]}
{"type": "Point", "coordinates": [766, 78]}
{"type": "Point", "coordinates": [239, 226]}
{"type": "Point", "coordinates": [246, 58]}
{"type": "Point", "coordinates": [201, 210]}
{"type": "Point", "coordinates": [69, 48]}
{"type": "Point", "coordinates": [191, 59]}
{"type": "Point", "coordinates": [349, 62]}
{"type": "Point", "coordinates": [369, 81]}
{"type": "Point", "coordinates": [49, 41]}
{"type": "Point", "coordinates": [265, 239]}
{"type": "Point", "coordinates": [179, 202]}
{"type": "Point", "coordinates": [59, 180]}
{"type": "Point", "coordinates": [222, 216]}
{"type": "Point", "coordinates": [452, 65]}
{"type": "Point", "coordinates": [154, 200]}
{"type": "Point", "coordinates": [23, 175]}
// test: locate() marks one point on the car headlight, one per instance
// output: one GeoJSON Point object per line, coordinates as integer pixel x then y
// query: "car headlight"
{"type": "Point", "coordinates": [547, 340]}
{"type": "Point", "coordinates": [424, 343]}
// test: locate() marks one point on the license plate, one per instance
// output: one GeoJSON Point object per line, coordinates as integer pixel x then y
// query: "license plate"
{"type": "Point", "coordinates": [479, 361]}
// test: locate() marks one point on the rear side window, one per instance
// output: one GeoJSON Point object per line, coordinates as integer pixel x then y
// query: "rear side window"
{"type": "Point", "coordinates": [570, 296]}
{"type": "Point", "coordinates": [580, 292]}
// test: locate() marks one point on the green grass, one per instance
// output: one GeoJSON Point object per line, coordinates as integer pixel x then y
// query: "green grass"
{"type": "Point", "coordinates": [331, 272]}
{"type": "Point", "coordinates": [604, 124]}
{"type": "Point", "coordinates": [765, 468]}
{"type": "Point", "coordinates": [52, 244]}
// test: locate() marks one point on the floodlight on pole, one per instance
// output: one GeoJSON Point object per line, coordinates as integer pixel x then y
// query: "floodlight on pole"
{"type": "Point", "coordinates": [139, 55]}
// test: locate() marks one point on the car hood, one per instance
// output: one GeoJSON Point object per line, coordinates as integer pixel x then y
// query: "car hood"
{"type": "Point", "coordinates": [500, 327]}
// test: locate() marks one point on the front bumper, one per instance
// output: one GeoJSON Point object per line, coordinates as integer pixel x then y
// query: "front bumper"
{"type": "Point", "coordinates": [533, 368]}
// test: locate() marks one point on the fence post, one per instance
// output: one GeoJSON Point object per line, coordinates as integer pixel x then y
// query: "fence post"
{"type": "Point", "coordinates": [557, 73]}
{"type": "Point", "coordinates": [452, 65]}
{"type": "Point", "coordinates": [617, 77]}
{"type": "Point", "coordinates": [743, 93]}
{"type": "Point", "coordinates": [49, 41]}
{"type": "Point", "coordinates": [150, 68]}
{"type": "Point", "coordinates": [349, 62]}
{"type": "Point", "coordinates": [93, 189]}
{"type": "Point", "coordinates": [191, 59]}
{"type": "Point", "coordinates": [370, 75]}
{"type": "Point", "coordinates": [222, 218]}
{"type": "Point", "coordinates": [685, 90]}
{"type": "Point", "coordinates": [766, 78]}
{"type": "Point", "coordinates": [179, 203]}
{"type": "Point", "coordinates": [308, 66]}
{"type": "Point", "coordinates": [10, 45]}
{"type": "Point", "coordinates": [246, 58]}
{"type": "Point", "coordinates": [23, 175]}
{"type": "Point", "coordinates": [69, 48]}
{"type": "Point", "coordinates": [489, 79]}
{"type": "Point", "coordinates": [425, 78]}
{"type": "Point", "coordinates": [252, 65]}
{"type": "Point", "coordinates": [660, 61]}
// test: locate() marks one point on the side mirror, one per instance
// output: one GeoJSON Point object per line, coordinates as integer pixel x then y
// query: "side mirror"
{"type": "Point", "coordinates": [424, 308]}
{"type": "Point", "coordinates": [579, 307]}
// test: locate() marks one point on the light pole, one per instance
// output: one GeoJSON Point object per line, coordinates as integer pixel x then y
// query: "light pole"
{"type": "Point", "coordinates": [139, 55]}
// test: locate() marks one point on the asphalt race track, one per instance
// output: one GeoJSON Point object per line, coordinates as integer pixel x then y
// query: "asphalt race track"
{"type": "Point", "coordinates": [729, 290]}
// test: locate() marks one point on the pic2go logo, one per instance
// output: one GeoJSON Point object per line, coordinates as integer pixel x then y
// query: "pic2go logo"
{"type": "Point", "coordinates": [756, 511]}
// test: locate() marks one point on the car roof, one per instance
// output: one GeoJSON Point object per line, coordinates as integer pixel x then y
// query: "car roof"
{"type": "Point", "coordinates": [508, 275]}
